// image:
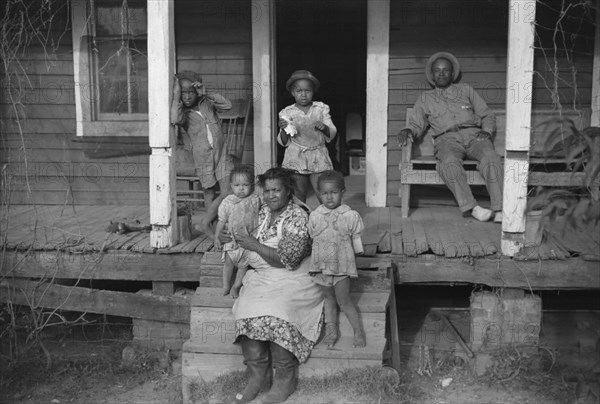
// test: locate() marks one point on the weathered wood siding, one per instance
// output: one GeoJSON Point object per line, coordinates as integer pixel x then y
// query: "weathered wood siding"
{"type": "Point", "coordinates": [476, 33]}
{"type": "Point", "coordinates": [213, 37]}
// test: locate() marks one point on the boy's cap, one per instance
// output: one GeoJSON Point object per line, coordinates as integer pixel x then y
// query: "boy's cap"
{"type": "Point", "coordinates": [299, 75]}
{"type": "Point", "coordinates": [445, 55]}
{"type": "Point", "coordinates": [189, 75]}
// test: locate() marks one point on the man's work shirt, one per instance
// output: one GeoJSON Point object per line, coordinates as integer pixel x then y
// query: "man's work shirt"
{"type": "Point", "coordinates": [450, 109]}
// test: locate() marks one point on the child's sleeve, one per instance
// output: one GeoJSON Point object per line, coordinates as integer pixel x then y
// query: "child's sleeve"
{"type": "Point", "coordinates": [311, 225]}
{"type": "Point", "coordinates": [225, 210]}
{"type": "Point", "coordinates": [178, 116]}
{"type": "Point", "coordinates": [327, 121]}
{"type": "Point", "coordinates": [219, 102]}
{"type": "Point", "coordinates": [356, 228]}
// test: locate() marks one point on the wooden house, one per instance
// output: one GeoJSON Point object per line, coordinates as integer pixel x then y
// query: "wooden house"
{"type": "Point", "coordinates": [86, 136]}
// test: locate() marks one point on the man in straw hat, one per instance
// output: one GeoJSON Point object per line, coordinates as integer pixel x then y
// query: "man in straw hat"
{"type": "Point", "coordinates": [462, 125]}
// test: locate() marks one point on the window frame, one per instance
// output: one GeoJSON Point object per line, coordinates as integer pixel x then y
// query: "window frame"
{"type": "Point", "coordinates": [90, 121]}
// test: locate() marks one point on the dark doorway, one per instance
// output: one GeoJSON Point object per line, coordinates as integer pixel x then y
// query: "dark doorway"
{"type": "Point", "coordinates": [329, 38]}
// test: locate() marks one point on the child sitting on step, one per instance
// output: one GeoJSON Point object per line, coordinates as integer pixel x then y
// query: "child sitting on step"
{"type": "Point", "coordinates": [239, 214]}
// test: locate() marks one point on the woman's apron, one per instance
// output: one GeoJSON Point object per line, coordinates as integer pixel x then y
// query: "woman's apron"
{"type": "Point", "coordinates": [289, 295]}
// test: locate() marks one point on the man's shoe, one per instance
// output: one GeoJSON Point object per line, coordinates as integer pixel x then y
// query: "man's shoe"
{"type": "Point", "coordinates": [498, 217]}
{"type": "Point", "coordinates": [481, 214]}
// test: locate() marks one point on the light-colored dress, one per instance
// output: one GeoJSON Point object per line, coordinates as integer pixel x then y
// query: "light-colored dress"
{"type": "Point", "coordinates": [240, 215]}
{"type": "Point", "coordinates": [336, 239]}
{"type": "Point", "coordinates": [306, 152]}
{"type": "Point", "coordinates": [282, 305]}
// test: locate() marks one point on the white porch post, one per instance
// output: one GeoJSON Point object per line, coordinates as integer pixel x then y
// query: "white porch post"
{"type": "Point", "coordinates": [595, 121]}
{"type": "Point", "coordinates": [161, 67]}
{"type": "Point", "coordinates": [519, 80]}
{"type": "Point", "coordinates": [378, 55]}
{"type": "Point", "coordinates": [263, 79]}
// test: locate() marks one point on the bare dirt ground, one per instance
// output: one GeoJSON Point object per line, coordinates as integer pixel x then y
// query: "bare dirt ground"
{"type": "Point", "coordinates": [91, 373]}
{"type": "Point", "coordinates": [100, 367]}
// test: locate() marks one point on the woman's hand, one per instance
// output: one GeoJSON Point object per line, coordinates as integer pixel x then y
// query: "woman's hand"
{"type": "Point", "coordinates": [248, 242]}
{"type": "Point", "coordinates": [224, 237]}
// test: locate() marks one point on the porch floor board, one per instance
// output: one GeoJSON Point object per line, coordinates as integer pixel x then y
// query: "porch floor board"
{"type": "Point", "coordinates": [439, 230]}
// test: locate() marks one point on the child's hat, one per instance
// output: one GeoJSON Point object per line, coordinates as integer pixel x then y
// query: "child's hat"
{"type": "Point", "coordinates": [445, 55]}
{"type": "Point", "coordinates": [299, 75]}
{"type": "Point", "coordinates": [189, 75]}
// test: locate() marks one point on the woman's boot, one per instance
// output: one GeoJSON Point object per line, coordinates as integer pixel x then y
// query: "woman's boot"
{"type": "Point", "coordinates": [256, 359]}
{"type": "Point", "coordinates": [286, 375]}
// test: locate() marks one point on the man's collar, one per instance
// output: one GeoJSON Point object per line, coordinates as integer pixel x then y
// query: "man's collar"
{"type": "Point", "coordinates": [440, 90]}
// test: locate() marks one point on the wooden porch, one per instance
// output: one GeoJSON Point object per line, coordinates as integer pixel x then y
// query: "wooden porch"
{"type": "Point", "coordinates": [436, 244]}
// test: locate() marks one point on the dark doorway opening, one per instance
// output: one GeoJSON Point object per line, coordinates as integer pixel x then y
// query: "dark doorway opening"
{"type": "Point", "coordinates": [329, 38]}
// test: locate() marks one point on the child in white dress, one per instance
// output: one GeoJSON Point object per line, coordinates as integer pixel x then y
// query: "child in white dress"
{"type": "Point", "coordinates": [305, 127]}
{"type": "Point", "coordinates": [239, 213]}
{"type": "Point", "coordinates": [335, 229]}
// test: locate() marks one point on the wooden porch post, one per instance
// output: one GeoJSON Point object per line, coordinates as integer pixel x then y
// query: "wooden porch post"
{"type": "Point", "coordinates": [519, 80]}
{"type": "Point", "coordinates": [595, 121]}
{"type": "Point", "coordinates": [161, 67]}
{"type": "Point", "coordinates": [264, 79]}
{"type": "Point", "coordinates": [378, 55]}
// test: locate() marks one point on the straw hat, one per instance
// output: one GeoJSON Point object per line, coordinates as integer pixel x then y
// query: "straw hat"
{"type": "Point", "coordinates": [445, 55]}
{"type": "Point", "coordinates": [299, 75]}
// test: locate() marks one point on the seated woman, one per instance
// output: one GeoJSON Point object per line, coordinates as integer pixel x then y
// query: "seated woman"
{"type": "Point", "coordinates": [278, 313]}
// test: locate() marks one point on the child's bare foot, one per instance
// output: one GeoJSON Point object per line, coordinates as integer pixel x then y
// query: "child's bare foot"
{"type": "Point", "coordinates": [226, 289]}
{"type": "Point", "coordinates": [235, 291]}
{"type": "Point", "coordinates": [331, 334]}
{"type": "Point", "coordinates": [360, 340]}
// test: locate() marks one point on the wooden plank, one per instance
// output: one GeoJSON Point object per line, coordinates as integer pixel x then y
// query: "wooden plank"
{"type": "Point", "coordinates": [420, 236]}
{"type": "Point", "coordinates": [519, 77]}
{"type": "Point", "coordinates": [367, 281]}
{"type": "Point", "coordinates": [205, 245]}
{"type": "Point", "coordinates": [396, 230]}
{"type": "Point", "coordinates": [372, 233]}
{"type": "Point", "coordinates": [366, 302]}
{"type": "Point", "coordinates": [163, 288]}
{"type": "Point", "coordinates": [139, 236]}
{"type": "Point", "coordinates": [569, 274]}
{"type": "Point", "coordinates": [516, 172]}
{"type": "Point", "coordinates": [394, 326]}
{"type": "Point", "coordinates": [263, 71]}
{"type": "Point", "coordinates": [194, 243]}
{"type": "Point", "coordinates": [385, 245]}
{"type": "Point", "coordinates": [212, 330]}
{"type": "Point", "coordinates": [595, 119]}
{"type": "Point", "coordinates": [378, 26]}
{"type": "Point", "coordinates": [113, 264]}
{"type": "Point", "coordinates": [409, 243]}
{"type": "Point", "coordinates": [79, 299]}
{"type": "Point", "coordinates": [163, 190]}
{"type": "Point", "coordinates": [161, 69]}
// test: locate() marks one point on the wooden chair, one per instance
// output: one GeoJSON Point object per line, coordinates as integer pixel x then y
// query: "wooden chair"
{"type": "Point", "coordinates": [235, 127]}
{"type": "Point", "coordinates": [355, 141]}
{"type": "Point", "coordinates": [419, 166]}
{"type": "Point", "coordinates": [234, 124]}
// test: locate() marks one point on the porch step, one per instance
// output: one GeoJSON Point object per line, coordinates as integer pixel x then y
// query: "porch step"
{"type": "Point", "coordinates": [210, 351]}
{"type": "Point", "coordinates": [374, 279]}
{"type": "Point", "coordinates": [212, 330]}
